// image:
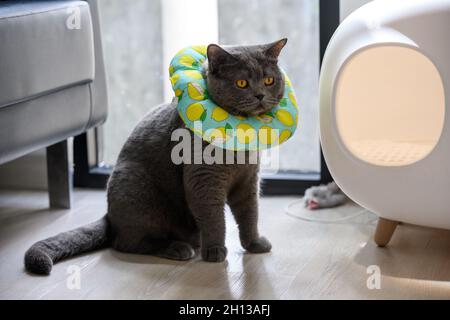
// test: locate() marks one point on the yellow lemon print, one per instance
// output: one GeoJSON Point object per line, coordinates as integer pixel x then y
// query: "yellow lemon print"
{"type": "Point", "coordinates": [293, 100]}
{"type": "Point", "coordinates": [196, 91]}
{"type": "Point", "coordinates": [287, 81]}
{"type": "Point", "coordinates": [218, 134]}
{"type": "Point", "coordinates": [265, 118]}
{"type": "Point", "coordinates": [285, 134]}
{"type": "Point", "coordinates": [267, 135]}
{"type": "Point", "coordinates": [174, 79]}
{"type": "Point", "coordinates": [285, 118]}
{"type": "Point", "coordinates": [178, 92]}
{"type": "Point", "coordinates": [171, 70]}
{"type": "Point", "coordinates": [195, 111]}
{"type": "Point", "coordinates": [200, 49]}
{"type": "Point", "coordinates": [193, 74]}
{"type": "Point", "coordinates": [245, 133]}
{"type": "Point", "coordinates": [186, 61]}
{"type": "Point", "coordinates": [219, 114]}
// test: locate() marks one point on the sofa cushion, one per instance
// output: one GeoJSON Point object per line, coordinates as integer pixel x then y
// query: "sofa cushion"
{"type": "Point", "coordinates": [37, 123]}
{"type": "Point", "coordinates": [45, 46]}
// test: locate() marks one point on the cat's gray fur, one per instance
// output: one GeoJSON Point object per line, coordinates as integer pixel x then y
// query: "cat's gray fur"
{"type": "Point", "coordinates": [159, 208]}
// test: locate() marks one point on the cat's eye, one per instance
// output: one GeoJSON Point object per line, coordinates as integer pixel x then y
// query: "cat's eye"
{"type": "Point", "coordinates": [268, 81]}
{"type": "Point", "coordinates": [242, 83]}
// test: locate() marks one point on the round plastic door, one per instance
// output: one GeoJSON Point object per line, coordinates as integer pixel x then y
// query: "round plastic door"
{"type": "Point", "coordinates": [390, 105]}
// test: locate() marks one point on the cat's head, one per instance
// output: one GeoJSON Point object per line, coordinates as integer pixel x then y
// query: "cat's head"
{"type": "Point", "coordinates": [245, 80]}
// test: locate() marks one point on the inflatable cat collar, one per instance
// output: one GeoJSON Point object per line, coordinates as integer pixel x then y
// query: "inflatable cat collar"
{"type": "Point", "coordinates": [214, 124]}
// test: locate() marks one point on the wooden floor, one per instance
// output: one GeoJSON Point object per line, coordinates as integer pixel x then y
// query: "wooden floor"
{"type": "Point", "coordinates": [309, 260]}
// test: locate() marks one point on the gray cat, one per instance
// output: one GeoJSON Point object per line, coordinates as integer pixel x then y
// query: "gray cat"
{"type": "Point", "coordinates": [159, 208]}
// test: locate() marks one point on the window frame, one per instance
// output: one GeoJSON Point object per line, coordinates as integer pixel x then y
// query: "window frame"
{"type": "Point", "coordinates": [91, 172]}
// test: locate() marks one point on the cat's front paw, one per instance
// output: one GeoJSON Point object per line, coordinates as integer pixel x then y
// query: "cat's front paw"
{"type": "Point", "coordinates": [260, 245]}
{"type": "Point", "coordinates": [214, 254]}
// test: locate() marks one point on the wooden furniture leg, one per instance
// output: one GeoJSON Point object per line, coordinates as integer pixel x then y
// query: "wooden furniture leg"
{"type": "Point", "coordinates": [385, 230]}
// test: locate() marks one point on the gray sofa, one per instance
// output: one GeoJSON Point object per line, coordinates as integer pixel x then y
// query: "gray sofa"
{"type": "Point", "coordinates": [52, 82]}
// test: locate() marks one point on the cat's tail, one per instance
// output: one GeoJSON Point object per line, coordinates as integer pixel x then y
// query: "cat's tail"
{"type": "Point", "coordinates": [41, 256]}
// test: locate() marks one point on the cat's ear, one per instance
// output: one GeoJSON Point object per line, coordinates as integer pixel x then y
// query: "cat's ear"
{"type": "Point", "coordinates": [217, 56]}
{"type": "Point", "coordinates": [273, 50]}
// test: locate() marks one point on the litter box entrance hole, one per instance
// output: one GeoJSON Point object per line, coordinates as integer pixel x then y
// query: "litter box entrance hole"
{"type": "Point", "coordinates": [390, 105]}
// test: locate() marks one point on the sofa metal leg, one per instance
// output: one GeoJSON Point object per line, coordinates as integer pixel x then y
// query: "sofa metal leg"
{"type": "Point", "coordinates": [59, 176]}
{"type": "Point", "coordinates": [385, 230]}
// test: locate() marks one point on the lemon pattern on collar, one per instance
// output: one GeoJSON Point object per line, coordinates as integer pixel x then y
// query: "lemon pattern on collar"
{"type": "Point", "coordinates": [215, 125]}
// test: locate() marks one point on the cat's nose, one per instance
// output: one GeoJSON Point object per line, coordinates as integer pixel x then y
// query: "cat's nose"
{"type": "Point", "coordinates": [259, 97]}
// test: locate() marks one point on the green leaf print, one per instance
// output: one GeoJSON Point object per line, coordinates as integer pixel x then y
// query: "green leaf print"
{"type": "Point", "coordinates": [203, 116]}
{"type": "Point", "coordinates": [228, 127]}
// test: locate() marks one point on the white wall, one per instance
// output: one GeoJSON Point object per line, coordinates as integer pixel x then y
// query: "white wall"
{"type": "Point", "coordinates": [28, 172]}
{"type": "Point", "coordinates": [348, 6]}
{"type": "Point", "coordinates": [185, 23]}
